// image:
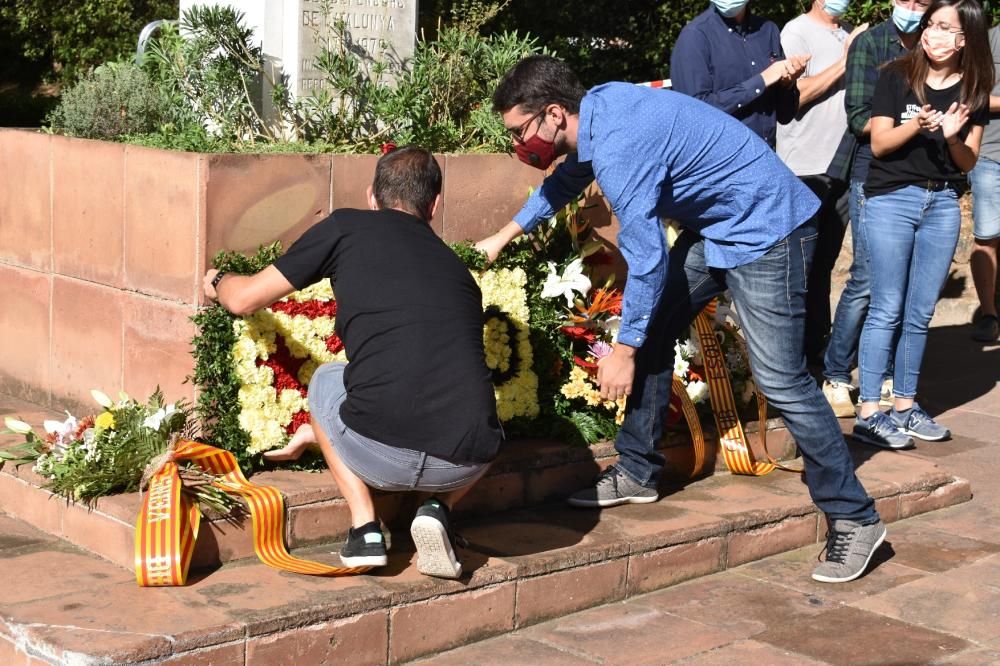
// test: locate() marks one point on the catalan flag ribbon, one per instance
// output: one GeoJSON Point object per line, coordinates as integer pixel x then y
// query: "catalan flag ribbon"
{"type": "Point", "coordinates": [167, 527]}
{"type": "Point", "coordinates": [733, 442]}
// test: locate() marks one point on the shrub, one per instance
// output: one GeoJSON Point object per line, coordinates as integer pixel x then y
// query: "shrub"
{"type": "Point", "coordinates": [113, 101]}
{"type": "Point", "coordinates": [440, 99]}
{"type": "Point", "coordinates": [211, 75]}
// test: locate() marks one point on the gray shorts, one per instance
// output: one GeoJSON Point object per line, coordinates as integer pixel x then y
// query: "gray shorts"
{"type": "Point", "coordinates": [379, 465]}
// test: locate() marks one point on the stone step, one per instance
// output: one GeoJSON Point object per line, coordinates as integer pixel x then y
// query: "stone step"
{"type": "Point", "coordinates": [527, 473]}
{"type": "Point", "coordinates": [61, 604]}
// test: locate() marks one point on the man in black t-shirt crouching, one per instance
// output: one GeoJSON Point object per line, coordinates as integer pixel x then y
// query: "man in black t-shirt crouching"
{"type": "Point", "coordinates": [415, 408]}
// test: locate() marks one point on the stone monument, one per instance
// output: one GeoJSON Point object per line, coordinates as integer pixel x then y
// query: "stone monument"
{"type": "Point", "coordinates": [293, 32]}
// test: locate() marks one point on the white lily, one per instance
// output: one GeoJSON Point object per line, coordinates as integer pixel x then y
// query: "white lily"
{"type": "Point", "coordinates": [155, 420]}
{"type": "Point", "coordinates": [60, 428]}
{"type": "Point", "coordinates": [123, 397]}
{"type": "Point", "coordinates": [16, 426]}
{"type": "Point", "coordinates": [611, 326]}
{"type": "Point", "coordinates": [572, 280]}
{"type": "Point", "coordinates": [101, 399]}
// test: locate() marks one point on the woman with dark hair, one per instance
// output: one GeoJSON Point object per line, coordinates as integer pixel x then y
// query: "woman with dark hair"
{"type": "Point", "coordinates": [928, 113]}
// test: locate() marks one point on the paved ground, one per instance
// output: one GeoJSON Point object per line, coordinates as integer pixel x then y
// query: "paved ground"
{"type": "Point", "coordinates": [932, 597]}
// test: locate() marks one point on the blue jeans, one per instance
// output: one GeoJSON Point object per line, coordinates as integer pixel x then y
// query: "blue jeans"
{"type": "Point", "coordinates": [911, 235]}
{"type": "Point", "coordinates": [770, 295]}
{"type": "Point", "coordinates": [985, 181]}
{"type": "Point", "coordinates": [379, 465]}
{"type": "Point", "coordinates": [842, 348]}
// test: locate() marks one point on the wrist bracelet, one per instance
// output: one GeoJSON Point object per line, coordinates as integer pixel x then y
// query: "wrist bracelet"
{"type": "Point", "coordinates": [217, 279]}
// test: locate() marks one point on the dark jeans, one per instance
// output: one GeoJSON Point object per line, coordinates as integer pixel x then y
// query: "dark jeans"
{"type": "Point", "coordinates": [842, 349]}
{"type": "Point", "coordinates": [831, 223]}
{"type": "Point", "coordinates": [770, 294]}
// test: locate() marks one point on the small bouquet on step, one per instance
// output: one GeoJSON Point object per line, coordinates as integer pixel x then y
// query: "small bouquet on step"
{"type": "Point", "coordinates": [112, 451]}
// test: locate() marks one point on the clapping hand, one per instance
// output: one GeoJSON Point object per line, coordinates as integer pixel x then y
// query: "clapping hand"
{"type": "Point", "coordinates": [851, 37]}
{"type": "Point", "coordinates": [954, 119]}
{"type": "Point", "coordinates": [795, 65]}
{"type": "Point", "coordinates": [929, 119]}
{"type": "Point", "coordinates": [785, 71]}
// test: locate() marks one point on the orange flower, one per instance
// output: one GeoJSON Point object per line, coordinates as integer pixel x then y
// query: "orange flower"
{"type": "Point", "coordinates": [604, 301]}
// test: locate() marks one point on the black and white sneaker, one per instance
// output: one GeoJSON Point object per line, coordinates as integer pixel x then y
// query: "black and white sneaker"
{"type": "Point", "coordinates": [432, 536]}
{"type": "Point", "coordinates": [365, 547]}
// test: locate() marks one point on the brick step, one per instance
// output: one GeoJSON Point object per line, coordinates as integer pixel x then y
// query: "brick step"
{"type": "Point", "coordinates": [523, 566]}
{"type": "Point", "coordinates": [527, 473]}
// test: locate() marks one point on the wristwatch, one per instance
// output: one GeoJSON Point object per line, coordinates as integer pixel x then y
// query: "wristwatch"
{"type": "Point", "coordinates": [217, 279]}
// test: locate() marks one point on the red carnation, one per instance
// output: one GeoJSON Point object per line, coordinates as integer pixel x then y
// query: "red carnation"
{"type": "Point", "coordinates": [388, 147]}
{"type": "Point", "coordinates": [579, 333]}
{"type": "Point", "coordinates": [589, 366]}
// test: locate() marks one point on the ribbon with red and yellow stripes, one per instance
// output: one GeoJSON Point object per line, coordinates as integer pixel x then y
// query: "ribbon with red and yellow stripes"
{"type": "Point", "coordinates": [168, 522]}
{"type": "Point", "coordinates": [736, 449]}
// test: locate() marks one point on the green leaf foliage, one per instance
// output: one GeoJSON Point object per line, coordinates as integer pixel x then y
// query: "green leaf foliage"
{"type": "Point", "coordinates": [214, 373]}
{"type": "Point", "coordinates": [63, 40]}
{"type": "Point", "coordinates": [630, 40]}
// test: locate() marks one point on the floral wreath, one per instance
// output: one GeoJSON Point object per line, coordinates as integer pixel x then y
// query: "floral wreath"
{"type": "Point", "coordinates": [278, 349]}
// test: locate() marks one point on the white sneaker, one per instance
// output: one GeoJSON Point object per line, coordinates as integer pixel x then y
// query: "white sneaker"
{"type": "Point", "coordinates": [838, 394]}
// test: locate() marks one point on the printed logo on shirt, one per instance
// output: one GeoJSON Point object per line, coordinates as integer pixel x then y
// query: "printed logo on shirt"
{"type": "Point", "coordinates": [912, 111]}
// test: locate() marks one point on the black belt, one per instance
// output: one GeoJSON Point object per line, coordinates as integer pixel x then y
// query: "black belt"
{"type": "Point", "coordinates": [936, 185]}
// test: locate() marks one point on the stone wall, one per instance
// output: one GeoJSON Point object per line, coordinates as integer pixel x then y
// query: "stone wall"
{"type": "Point", "coordinates": [103, 245]}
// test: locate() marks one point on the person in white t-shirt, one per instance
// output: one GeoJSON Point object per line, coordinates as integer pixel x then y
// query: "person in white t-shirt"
{"type": "Point", "coordinates": [809, 141]}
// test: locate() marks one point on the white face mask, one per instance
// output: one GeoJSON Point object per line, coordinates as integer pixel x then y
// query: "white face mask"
{"type": "Point", "coordinates": [729, 8]}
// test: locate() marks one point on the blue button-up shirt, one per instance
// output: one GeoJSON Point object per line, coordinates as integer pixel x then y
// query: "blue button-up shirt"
{"type": "Point", "coordinates": [719, 61]}
{"type": "Point", "coordinates": [659, 154]}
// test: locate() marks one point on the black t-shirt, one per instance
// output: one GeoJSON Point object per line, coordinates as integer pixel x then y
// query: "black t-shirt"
{"type": "Point", "coordinates": [925, 156]}
{"type": "Point", "coordinates": [411, 319]}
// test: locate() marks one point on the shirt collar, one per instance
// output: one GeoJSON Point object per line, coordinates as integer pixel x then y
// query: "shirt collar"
{"type": "Point", "coordinates": [584, 148]}
{"type": "Point", "coordinates": [731, 24]}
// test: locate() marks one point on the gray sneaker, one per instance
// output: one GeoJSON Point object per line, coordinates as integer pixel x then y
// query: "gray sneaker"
{"type": "Point", "coordinates": [879, 430]}
{"type": "Point", "coordinates": [613, 487]}
{"type": "Point", "coordinates": [849, 549]}
{"type": "Point", "coordinates": [918, 423]}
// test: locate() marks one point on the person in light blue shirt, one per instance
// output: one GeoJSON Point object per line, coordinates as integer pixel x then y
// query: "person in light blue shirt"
{"type": "Point", "coordinates": [747, 226]}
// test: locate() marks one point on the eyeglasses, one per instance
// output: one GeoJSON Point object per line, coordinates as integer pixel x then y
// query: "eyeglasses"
{"type": "Point", "coordinates": [517, 133]}
{"type": "Point", "coordinates": [941, 26]}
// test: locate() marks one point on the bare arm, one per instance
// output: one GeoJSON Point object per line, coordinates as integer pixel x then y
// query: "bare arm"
{"type": "Point", "coordinates": [963, 153]}
{"type": "Point", "coordinates": [994, 103]}
{"type": "Point", "coordinates": [887, 139]}
{"type": "Point", "coordinates": [812, 87]}
{"type": "Point", "coordinates": [492, 245]}
{"type": "Point", "coordinates": [245, 294]}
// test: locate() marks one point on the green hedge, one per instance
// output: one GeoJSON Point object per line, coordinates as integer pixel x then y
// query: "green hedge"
{"type": "Point", "coordinates": [629, 40]}
{"type": "Point", "coordinates": [63, 40]}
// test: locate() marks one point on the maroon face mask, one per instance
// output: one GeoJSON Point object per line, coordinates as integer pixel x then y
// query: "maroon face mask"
{"type": "Point", "coordinates": [536, 152]}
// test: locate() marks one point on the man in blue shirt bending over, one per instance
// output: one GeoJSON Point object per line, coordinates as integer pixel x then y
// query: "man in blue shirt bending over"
{"type": "Point", "coordinates": [732, 59]}
{"type": "Point", "coordinates": [747, 226]}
